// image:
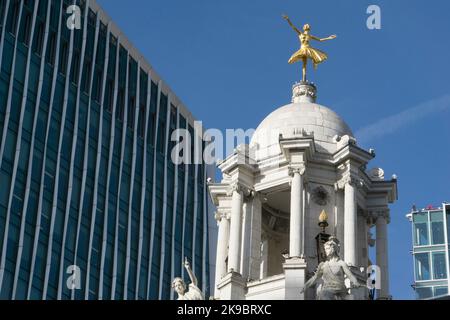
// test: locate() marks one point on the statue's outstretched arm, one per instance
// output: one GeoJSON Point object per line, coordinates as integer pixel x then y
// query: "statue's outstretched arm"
{"type": "Point", "coordinates": [323, 39]}
{"type": "Point", "coordinates": [285, 17]}
{"type": "Point", "coordinates": [189, 271]}
{"type": "Point", "coordinates": [350, 275]}
{"type": "Point", "coordinates": [314, 278]}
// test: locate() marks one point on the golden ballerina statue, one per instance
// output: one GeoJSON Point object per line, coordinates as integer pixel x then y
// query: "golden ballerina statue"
{"type": "Point", "coordinates": [306, 51]}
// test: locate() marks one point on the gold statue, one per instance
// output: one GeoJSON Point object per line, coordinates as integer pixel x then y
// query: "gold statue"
{"type": "Point", "coordinates": [306, 52]}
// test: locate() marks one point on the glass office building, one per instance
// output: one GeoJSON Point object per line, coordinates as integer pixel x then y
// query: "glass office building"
{"type": "Point", "coordinates": [91, 205]}
{"type": "Point", "coordinates": [431, 228]}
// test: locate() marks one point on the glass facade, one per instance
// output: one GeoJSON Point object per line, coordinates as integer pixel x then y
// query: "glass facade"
{"type": "Point", "coordinates": [431, 251]}
{"type": "Point", "coordinates": [86, 177]}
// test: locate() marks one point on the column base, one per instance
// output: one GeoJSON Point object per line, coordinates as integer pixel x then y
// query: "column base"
{"type": "Point", "coordinates": [295, 273]}
{"type": "Point", "coordinates": [232, 287]}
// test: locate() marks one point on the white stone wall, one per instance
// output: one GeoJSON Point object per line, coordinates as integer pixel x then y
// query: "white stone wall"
{"type": "Point", "coordinates": [272, 288]}
{"type": "Point", "coordinates": [276, 247]}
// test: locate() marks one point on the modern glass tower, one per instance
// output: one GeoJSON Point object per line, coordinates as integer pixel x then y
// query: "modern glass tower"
{"type": "Point", "coordinates": [431, 229]}
{"type": "Point", "coordinates": [91, 205]}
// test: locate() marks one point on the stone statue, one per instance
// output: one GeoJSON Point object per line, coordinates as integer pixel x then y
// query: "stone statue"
{"type": "Point", "coordinates": [179, 285]}
{"type": "Point", "coordinates": [306, 51]}
{"type": "Point", "coordinates": [331, 273]}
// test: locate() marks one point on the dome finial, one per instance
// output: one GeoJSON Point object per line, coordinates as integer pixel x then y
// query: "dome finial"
{"type": "Point", "coordinates": [304, 91]}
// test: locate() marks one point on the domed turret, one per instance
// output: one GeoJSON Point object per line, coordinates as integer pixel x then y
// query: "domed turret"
{"type": "Point", "coordinates": [303, 114]}
{"type": "Point", "coordinates": [304, 161]}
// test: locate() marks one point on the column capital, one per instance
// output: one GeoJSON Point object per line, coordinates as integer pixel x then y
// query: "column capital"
{"type": "Point", "coordinates": [299, 168]}
{"type": "Point", "coordinates": [252, 194]}
{"type": "Point", "coordinates": [239, 188]}
{"type": "Point", "coordinates": [349, 179]}
{"type": "Point", "coordinates": [374, 214]}
{"type": "Point", "coordinates": [219, 215]}
{"type": "Point", "coordinates": [232, 188]}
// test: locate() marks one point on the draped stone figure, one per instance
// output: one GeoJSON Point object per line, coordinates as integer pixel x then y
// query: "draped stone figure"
{"type": "Point", "coordinates": [332, 275]}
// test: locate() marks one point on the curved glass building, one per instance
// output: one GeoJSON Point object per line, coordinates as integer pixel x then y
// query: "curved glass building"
{"type": "Point", "coordinates": [430, 231]}
{"type": "Point", "coordinates": [91, 204]}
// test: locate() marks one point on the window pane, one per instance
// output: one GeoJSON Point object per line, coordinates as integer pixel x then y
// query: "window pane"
{"type": "Point", "coordinates": [439, 267]}
{"type": "Point", "coordinates": [437, 227]}
{"type": "Point", "coordinates": [422, 266]}
{"type": "Point", "coordinates": [437, 232]}
{"type": "Point", "coordinates": [421, 217]}
{"type": "Point", "coordinates": [448, 219]}
{"type": "Point", "coordinates": [423, 293]}
{"type": "Point", "coordinates": [440, 291]}
{"type": "Point", "coordinates": [421, 234]}
{"type": "Point", "coordinates": [436, 216]}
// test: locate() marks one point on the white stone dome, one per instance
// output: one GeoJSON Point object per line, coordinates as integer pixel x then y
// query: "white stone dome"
{"type": "Point", "coordinates": [323, 122]}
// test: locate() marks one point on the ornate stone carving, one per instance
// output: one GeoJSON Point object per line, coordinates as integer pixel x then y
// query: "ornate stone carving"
{"type": "Point", "coordinates": [233, 187]}
{"type": "Point", "coordinates": [297, 168]}
{"type": "Point", "coordinates": [219, 215]}
{"type": "Point", "coordinates": [304, 89]}
{"type": "Point", "coordinates": [374, 214]}
{"type": "Point", "coordinates": [252, 194]}
{"type": "Point", "coordinates": [349, 179]}
{"type": "Point", "coordinates": [320, 196]}
{"type": "Point", "coordinates": [302, 132]}
{"type": "Point", "coordinates": [238, 187]}
{"type": "Point", "coordinates": [376, 174]}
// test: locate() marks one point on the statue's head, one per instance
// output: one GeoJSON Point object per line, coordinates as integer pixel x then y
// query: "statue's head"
{"type": "Point", "coordinates": [306, 27]}
{"type": "Point", "coordinates": [332, 247]}
{"type": "Point", "coordinates": [179, 286]}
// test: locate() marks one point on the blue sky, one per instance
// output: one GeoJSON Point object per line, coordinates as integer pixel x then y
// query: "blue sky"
{"type": "Point", "coordinates": [227, 61]}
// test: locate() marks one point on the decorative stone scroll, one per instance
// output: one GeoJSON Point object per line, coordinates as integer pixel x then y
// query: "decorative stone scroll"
{"type": "Point", "coordinates": [349, 179]}
{"type": "Point", "coordinates": [297, 168]}
{"type": "Point", "coordinates": [320, 196]}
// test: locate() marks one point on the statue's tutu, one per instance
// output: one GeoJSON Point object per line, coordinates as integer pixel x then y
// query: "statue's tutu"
{"type": "Point", "coordinates": [315, 55]}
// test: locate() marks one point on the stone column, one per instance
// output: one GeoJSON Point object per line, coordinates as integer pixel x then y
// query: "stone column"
{"type": "Point", "coordinates": [296, 218]}
{"type": "Point", "coordinates": [305, 210]}
{"type": "Point", "coordinates": [222, 248]}
{"type": "Point", "coordinates": [247, 217]}
{"type": "Point", "coordinates": [350, 223]}
{"type": "Point", "coordinates": [264, 257]}
{"type": "Point", "coordinates": [382, 254]}
{"type": "Point", "coordinates": [235, 229]}
{"type": "Point", "coordinates": [255, 238]}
